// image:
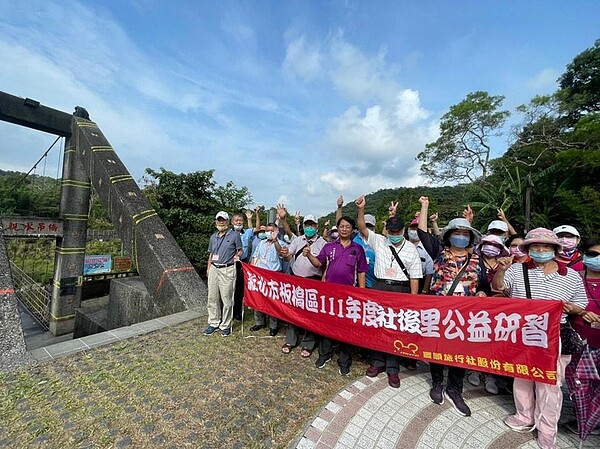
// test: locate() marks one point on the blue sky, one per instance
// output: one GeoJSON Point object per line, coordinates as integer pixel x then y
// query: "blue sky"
{"type": "Point", "coordinates": [300, 101]}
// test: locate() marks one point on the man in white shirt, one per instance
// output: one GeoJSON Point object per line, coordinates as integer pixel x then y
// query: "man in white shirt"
{"type": "Point", "coordinates": [397, 269]}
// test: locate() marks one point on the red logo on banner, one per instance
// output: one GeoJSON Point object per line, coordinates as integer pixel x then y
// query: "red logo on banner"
{"type": "Point", "coordinates": [511, 337]}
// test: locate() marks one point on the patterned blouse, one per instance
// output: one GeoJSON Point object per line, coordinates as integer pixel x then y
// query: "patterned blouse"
{"type": "Point", "coordinates": [445, 269]}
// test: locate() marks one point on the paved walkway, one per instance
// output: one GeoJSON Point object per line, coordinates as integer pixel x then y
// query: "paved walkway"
{"type": "Point", "coordinates": [369, 414]}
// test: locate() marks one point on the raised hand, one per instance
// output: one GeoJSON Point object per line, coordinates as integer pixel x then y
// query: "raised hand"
{"type": "Point", "coordinates": [468, 213]}
{"type": "Point", "coordinates": [281, 211]}
{"type": "Point", "coordinates": [393, 208]}
{"type": "Point", "coordinates": [340, 201]}
{"type": "Point", "coordinates": [249, 214]}
{"type": "Point", "coordinates": [433, 217]}
{"type": "Point", "coordinates": [360, 202]}
{"type": "Point", "coordinates": [505, 262]}
{"type": "Point", "coordinates": [297, 217]}
{"type": "Point", "coordinates": [424, 200]}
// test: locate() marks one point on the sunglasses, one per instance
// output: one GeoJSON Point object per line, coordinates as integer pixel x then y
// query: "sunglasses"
{"type": "Point", "coordinates": [592, 253]}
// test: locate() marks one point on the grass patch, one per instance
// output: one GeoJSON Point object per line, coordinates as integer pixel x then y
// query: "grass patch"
{"type": "Point", "coordinates": [172, 388]}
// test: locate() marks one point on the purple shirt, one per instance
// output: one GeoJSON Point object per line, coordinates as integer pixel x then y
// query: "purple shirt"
{"type": "Point", "coordinates": [342, 265]}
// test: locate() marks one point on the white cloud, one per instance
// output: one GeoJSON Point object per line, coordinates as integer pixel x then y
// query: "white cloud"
{"type": "Point", "coordinates": [358, 76]}
{"type": "Point", "coordinates": [383, 132]}
{"type": "Point", "coordinates": [408, 108]}
{"type": "Point", "coordinates": [301, 59]}
{"type": "Point", "coordinates": [338, 181]}
{"type": "Point", "coordinates": [544, 81]}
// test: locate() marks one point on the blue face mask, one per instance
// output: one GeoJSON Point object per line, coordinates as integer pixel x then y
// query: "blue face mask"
{"type": "Point", "coordinates": [541, 256]}
{"type": "Point", "coordinates": [395, 239]}
{"type": "Point", "coordinates": [460, 241]}
{"type": "Point", "coordinates": [593, 263]}
{"type": "Point", "coordinates": [262, 235]}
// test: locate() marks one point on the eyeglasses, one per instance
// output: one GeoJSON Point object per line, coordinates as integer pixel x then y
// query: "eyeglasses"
{"type": "Point", "coordinates": [591, 253]}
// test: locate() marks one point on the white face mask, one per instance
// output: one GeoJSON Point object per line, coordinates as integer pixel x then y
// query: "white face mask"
{"type": "Point", "coordinates": [221, 227]}
{"type": "Point", "coordinates": [413, 236]}
{"type": "Point", "coordinates": [490, 250]}
{"type": "Point", "coordinates": [568, 243]}
{"type": "Point", "coordinates": [238, 227]}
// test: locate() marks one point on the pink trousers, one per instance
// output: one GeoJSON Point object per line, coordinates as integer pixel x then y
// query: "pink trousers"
{"type": "Point", "coordinates": [540, 404]}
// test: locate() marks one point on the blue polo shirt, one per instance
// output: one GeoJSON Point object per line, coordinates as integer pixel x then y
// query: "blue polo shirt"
{"type": "Point", "coordinates": [370, 255]}
{"type": "Point", "coordinates": [224, 247]}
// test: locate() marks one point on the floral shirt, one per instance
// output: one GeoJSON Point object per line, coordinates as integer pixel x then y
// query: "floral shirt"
{"type": "Point", "coordinates": [445, 269]}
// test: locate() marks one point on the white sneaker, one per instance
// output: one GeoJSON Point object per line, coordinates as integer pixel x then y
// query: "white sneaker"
{"type": "Point", "coordinates": [490, 385]}
{"type": "Point", "coordinates": [473, 378]}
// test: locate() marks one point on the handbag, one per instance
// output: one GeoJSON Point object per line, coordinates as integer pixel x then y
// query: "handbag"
{"type": "Point", "coordinates": [571, 342]}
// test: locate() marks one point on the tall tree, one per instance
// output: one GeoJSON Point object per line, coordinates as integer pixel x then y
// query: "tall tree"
{"type": "Point", "coordinates": [462, 152]}
{"type": "Point", "coordinates": [187, 204]}
{"type": "Point", "coordinates": [579, 91]}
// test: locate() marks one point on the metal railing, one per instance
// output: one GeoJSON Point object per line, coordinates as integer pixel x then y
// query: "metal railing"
{"type": "Point", "coordinates": [102, 234]}
{"type": "Point", "coordinates": [32, 295]}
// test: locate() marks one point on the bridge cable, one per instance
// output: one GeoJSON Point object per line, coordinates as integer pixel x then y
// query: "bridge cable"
{"type": "Point", "coordinates": [32, 168]}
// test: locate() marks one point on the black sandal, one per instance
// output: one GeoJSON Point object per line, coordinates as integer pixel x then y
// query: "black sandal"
{"type": "Point", "coordinates": [305, 353]}
{"type": "Point", "coordinates": [286, 348]}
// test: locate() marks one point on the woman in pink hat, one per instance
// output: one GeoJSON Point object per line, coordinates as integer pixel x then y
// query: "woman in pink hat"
{"type": "Point", "coordinates": [538, 405]}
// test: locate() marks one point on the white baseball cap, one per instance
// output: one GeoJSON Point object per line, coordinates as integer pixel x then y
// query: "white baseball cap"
{"type": "Point", "coordinates": [224, 215]}
{"type": "Point", "coordinates": [310, 217]}
{"type": "Point", "coordinates": [566, 228]}
{"type": "Point", "coordinates": [369, 219]}
{"type": "Point", "coordinates": [498, 224]}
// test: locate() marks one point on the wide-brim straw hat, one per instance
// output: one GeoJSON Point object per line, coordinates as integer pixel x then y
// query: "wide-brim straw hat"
{"type": "Point", "coordinates": [461, 223]}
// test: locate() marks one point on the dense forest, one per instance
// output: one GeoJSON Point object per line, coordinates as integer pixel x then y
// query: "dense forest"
{"type": "Point", "coordinates": [548, 175]}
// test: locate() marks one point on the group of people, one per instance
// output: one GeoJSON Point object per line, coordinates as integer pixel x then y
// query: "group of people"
{"type": "Point", "coordinates": [418, 258]}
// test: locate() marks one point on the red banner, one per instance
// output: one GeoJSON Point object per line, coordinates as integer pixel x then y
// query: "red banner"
{"type": "Point", "coordinates": [510, 337]}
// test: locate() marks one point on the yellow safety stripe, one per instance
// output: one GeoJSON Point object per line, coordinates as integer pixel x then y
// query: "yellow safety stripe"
{"type": "Point", "coordinates": [102, 148]}
{"type": "Point", "coordinates": [120, 178]}
{"type": "Point", "coordinates": [74, 183]}
{"type": "Point", "coordinates": [137, 219]}
{"type": "Point", "coordinates": [69, 251]}
{"type": "Point", "coordinates": [62, 318]}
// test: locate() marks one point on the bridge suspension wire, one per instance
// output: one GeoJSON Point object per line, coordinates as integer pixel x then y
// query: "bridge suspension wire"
{"type": "Point", "coordinates": [18, 183]}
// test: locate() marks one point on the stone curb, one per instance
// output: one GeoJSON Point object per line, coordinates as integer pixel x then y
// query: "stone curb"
{"type": "Point", "coordinates": [70, 347]}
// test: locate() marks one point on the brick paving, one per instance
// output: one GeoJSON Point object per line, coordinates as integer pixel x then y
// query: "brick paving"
{"type": "Point", "coordinates": [368, 414]}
